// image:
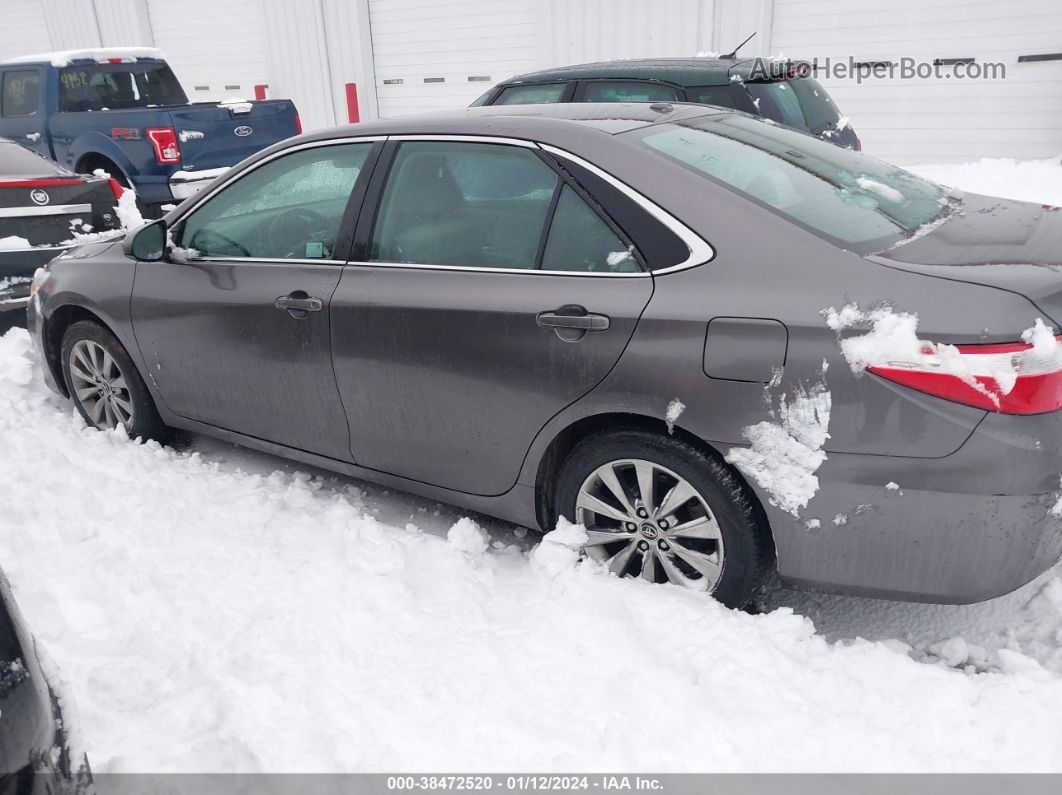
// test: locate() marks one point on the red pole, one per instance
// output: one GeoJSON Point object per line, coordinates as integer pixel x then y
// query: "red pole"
{"type": "Point", "coordinates": [352, 103]}
{"type": "Point", "coordinates": [260, 91]}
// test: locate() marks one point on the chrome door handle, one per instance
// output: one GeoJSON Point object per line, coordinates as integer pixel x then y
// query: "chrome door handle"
{"type": "Point", "coordinates": [298, 304]}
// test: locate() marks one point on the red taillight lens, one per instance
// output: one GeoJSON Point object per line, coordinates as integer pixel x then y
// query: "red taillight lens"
{"type": "Point", "coordinates": [164, 142]}
{"type": "Point", "coordinates": [38, 183]}
{"type": "Point", "coordinates": [298, 125]}
{"type": "Point", "coordinates": [116, 189]}
{"type": "Point", "coordinates": [858, 145]}
{"type": "Point", "coordinates": [1034, 377]}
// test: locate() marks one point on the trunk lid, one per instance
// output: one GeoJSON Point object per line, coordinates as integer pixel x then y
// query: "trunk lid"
{"type": "Point", "coordinates": [1010, 245]}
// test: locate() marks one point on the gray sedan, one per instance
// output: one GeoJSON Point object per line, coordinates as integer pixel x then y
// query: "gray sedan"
{"type": "Point", "coordinates": [721, 347]}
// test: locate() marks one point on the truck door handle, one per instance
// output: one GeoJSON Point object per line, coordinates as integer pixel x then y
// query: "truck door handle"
{"type": "Point", "coordinates": [571, 322]}
{"type": "Point", "coordinates": [298, 304]}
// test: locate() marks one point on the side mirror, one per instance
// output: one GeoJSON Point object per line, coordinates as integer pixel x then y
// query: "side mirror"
{"type": "Point", "coordinates": [148, 243]}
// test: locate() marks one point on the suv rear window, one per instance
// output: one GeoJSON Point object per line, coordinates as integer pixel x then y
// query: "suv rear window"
{"type": "Point", "coordinates": [854, 201]}
{"type": "Point", "coordinates": [531, 95]}
{"type": "Point", "coordinates": [120, 85]}
{"type": "Point", "coordinates": [801, 103]}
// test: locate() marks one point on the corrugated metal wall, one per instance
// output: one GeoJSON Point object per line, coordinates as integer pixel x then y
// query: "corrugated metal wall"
{"type": "Point", "coordinates": [428, 52]}
{"type": "Point", "coordinates": [939, 120]}
{"type": "Point", "coordinates": [24, 30]}
{"type": "Point", "coordinates": [215, 48]}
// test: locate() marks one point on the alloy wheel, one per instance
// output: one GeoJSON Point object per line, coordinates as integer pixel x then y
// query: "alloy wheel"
{"type": "Point", "coordinates": [645, 520]}
{"type": "Point", "coordinates": [99, 385]}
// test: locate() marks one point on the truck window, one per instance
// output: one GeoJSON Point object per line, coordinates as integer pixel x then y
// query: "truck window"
{"type": "Point", "coordinates": [21, 92]}
{"type": "Point", "coordinates": [120, 85]}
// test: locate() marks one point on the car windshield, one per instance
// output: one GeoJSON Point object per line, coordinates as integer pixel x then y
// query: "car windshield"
{"type": "Point", "coordinates": [800, 103]}
{"type": "Point", "coordinates": [852, 200]}
{"type": "Point", "coordinates": [121, 85]}
{"type": "Point", "coordinates": [18, 161]}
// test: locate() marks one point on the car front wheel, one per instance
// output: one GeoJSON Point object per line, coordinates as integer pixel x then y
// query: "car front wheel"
{"type": "Point", "coordinates": [658, 508]}
{"type": "Point", "coordinates": [104, 383]}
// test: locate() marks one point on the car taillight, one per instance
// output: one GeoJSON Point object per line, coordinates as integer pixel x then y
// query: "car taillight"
{"type": "Point", "coordinates": [858, 145]}
{"type": "Point", "coordinates": [164, 142]}
{"type": "Point", "coordinates": [38, 183]}
{"type": "Point", "coordinates": [1037, 379]}
{"type": "Point", "coordinates": [116, 189]}
{"type": "Point", "coordinates": [298, 125]}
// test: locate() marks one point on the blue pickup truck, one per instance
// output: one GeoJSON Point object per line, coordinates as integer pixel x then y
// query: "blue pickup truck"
{"type": "Point", "coordinates": [124, 111]}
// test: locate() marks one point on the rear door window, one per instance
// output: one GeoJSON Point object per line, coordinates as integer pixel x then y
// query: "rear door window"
{"type": "Point", "coordinates": [531, 95]}
{"type": "Point", "coordinates": [579, 240]}
{"type": "Point", "coordinates": [463, 204]}
{"type": "Point", "coordinates": [628, 91]}
{"type": "Point", "coordinates": [730, 96]}
{"type": "Point", "coordinates": [20, 93]}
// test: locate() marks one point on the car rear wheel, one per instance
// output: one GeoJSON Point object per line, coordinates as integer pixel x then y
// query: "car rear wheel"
{"type": "Point", "coordinates": [104, 383]}
{"type": "Point", "coordinates": [658, 508]}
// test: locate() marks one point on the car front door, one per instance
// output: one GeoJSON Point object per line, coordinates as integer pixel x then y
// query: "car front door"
{"type": "Point", "coordinates": [234, 330]}
{"type": "Point", "coordinates": [489, 293]}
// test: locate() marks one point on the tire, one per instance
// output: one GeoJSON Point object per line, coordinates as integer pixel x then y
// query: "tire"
{"type": "Point", "coordinates": [714, 540]}
{"type": "Point", "coordinates": [129, 401]}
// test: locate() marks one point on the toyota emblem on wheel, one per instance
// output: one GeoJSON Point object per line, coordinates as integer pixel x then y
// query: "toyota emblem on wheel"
{"type": "Point", "coordinates": [38, 196]}
{"type": "Point", "coordinates": [243, 131]}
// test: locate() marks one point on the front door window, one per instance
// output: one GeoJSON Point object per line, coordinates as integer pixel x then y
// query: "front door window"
{"type": "Point", "coordinates": [289, 208]}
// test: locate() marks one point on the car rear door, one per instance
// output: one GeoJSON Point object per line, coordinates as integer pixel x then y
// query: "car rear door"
{"type": "Point", "coordinates": [235, 331]}
{"type": "Point", "coordinates": [488, 293]}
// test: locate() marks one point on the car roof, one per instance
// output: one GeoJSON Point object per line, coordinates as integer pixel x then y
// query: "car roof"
{"type": "Point", "coordinates": [533, 122]}
{"type": "Point", "coordinates": [680, 71]}
{"type": "Point", "coordinates": [62, 58]}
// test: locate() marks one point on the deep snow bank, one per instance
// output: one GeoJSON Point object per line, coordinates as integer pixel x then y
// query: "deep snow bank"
{"type": "Point", "coordinates": [204, 617]}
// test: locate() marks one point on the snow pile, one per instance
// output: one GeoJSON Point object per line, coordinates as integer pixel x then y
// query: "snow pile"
{"type": "Point", "coordinates": [468, 536]}
{"type": "Point", "coordinates": [63, 58]}
{"type": "Point", "coordinates": [785, 453]}
{"type": "Point", "coordinates": [1030, 180]}
{"type": "Point", "coordinates": [880, 188]}
{"type": "Point", "coordinates": [348, 632]}
{"type": "Point", "coordinates": [672, 414]}
{"type": "Point", "coordinates": [13, 243]}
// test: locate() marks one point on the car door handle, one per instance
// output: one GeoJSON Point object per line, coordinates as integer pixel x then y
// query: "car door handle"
{"type": "Point", "coordinates": [584, 322]}
{"type": "Point", "coordinates": [572, 322]}
{"type": "Point", "coordinates": [298, 304]}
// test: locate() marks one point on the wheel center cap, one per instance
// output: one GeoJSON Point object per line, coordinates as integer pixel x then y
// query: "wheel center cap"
{"type": "Point", "coordinates": [648, 531]}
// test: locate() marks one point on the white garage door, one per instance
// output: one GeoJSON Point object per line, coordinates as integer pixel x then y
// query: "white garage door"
{"type": "Point", "coordinates": [444, 53]}
{"type": "Point", "coordinates": [215, 47]}
{"type": "Point", "coordinates": [938, 119]}
{"type": "Point", "coordinates": [22, 29]}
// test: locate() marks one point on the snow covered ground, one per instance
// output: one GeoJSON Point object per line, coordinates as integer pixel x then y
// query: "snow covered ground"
{"type": "Point", "coordinates": [214, 609]}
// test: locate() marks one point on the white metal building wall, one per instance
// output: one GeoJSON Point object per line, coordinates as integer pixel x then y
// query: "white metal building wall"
{"type": "Point", "coordinates": [24, 29]}
{"type": "Point", "coordinates": [216, 47]}
{"type": "Point", "coordinates": [938, 120]}
{"type": "Point", "coordinates": [429, 53]}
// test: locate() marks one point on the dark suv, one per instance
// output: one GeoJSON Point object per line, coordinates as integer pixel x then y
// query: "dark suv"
{"type": "Point", "coordinates": [780, 91]}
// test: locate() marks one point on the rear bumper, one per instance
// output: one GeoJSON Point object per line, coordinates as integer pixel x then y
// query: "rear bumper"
{"type": "Point", "coordinates": [188, 183]}
{"type": "Point", "coordinates": [16, 272]}
{"type": "Point", "coordinates": [971, 526]}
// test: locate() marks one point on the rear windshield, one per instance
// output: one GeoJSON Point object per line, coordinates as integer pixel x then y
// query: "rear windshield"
{"type": "Point", "coordinates": [852, 200]}
{"type": "Point", "coordinates": [119, 85]}
{"type": "Point", "coordinates": [801, 103]}
{"type": "Point", "coordinates": [17, 161]}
